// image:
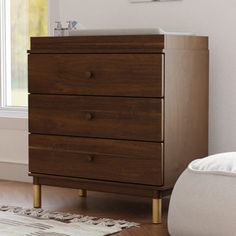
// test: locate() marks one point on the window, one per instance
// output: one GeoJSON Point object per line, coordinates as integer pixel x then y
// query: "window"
{"type": "Point", "coordinates": [20, 19]}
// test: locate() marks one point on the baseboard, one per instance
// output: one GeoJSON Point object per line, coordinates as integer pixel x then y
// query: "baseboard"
{"type": "Point", "coordinates": [14, 172]}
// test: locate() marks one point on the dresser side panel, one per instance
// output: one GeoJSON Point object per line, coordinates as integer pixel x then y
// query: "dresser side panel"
{"type": "Point", "coordinates": [186, 110]}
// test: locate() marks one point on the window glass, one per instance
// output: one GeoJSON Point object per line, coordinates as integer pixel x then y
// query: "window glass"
{"type": "Point", "coordinates": [27, 18]}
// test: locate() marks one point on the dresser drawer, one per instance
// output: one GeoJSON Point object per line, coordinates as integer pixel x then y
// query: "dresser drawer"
{"type": "Point", "coordinates": [112, 160]}
{"type": "Point", "coordinates": [104, 117]}
{"type": "Point", "coordinates": [138, 75]}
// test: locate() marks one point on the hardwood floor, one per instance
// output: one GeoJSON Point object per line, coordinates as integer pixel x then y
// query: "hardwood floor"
{"type": "Point", "coordinates": [95, 204]}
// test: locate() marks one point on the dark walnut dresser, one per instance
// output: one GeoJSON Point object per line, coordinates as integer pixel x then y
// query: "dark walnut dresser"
{"type": "Point", "coordinates": [118, 114]}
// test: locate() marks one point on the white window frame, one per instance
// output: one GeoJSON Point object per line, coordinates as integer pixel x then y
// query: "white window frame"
{"type": "Point", "coordinates": [5, 65]}
{"type": "Point", "coordinates": [5, 58]}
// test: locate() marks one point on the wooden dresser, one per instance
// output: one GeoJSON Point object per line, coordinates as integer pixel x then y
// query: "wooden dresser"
{"type": "Point", "coordinates": [120, 114]}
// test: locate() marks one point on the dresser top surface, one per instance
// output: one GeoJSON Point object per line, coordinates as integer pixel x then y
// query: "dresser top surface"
{"type": "Point", "coordinates": [117, 44]}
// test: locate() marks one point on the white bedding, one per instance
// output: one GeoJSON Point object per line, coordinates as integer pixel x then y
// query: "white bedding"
{"type": "Point", "coordinates": [203, 202]}
{"type": "Point", "coordinates": [123, 31]}
{"type": "Point", "coordinates": [220, 164]}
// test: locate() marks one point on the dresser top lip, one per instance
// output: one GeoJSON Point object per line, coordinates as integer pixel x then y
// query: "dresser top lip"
{"type": "Point", "coordinates": [117, 44]}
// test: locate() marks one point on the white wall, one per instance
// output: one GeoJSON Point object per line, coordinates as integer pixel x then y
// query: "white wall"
{"type": "Point", "coordinates": [215, 18]}
{"type": "Point", "coordinates": [14, 149]}
{"type": "Point", "coordinates": [14, 140]}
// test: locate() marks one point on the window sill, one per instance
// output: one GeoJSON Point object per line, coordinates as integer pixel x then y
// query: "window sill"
{"type": "Point", "coordinates": [14, 112]}
{"type": "Point", "coordinates": [14, 119]}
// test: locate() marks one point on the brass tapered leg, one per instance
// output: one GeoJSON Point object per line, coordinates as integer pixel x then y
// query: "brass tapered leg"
{"type": "Point", "coordinates": [82, 193]}
{"type": "Point", "coordinates": [156, 210]}
{"type": "Point", "coordinates": [37, 195]}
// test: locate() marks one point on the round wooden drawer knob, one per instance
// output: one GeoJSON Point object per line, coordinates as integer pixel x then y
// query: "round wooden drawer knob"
{"type": "Point", "coordinates": [89, 74]}
{"type": "Point", "coordinates": [89, 116]}
{"type": "Point", "coordinates": [90, 158]}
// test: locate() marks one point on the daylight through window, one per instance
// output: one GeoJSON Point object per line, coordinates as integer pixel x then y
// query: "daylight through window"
{"type": "Point", "coordinates": [20, 20]}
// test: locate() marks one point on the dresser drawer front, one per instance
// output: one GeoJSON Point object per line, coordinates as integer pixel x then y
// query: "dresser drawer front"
{"type": "Point", "coordinates": [104, 117]}
{"type": "Point", "coordinates": [111, 160]}
{"type": "Point", "coordinates": [137, 75]}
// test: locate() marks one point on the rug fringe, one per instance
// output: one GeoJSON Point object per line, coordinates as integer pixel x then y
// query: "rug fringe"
{"type": "Point", "coordinates": [68, 217]}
